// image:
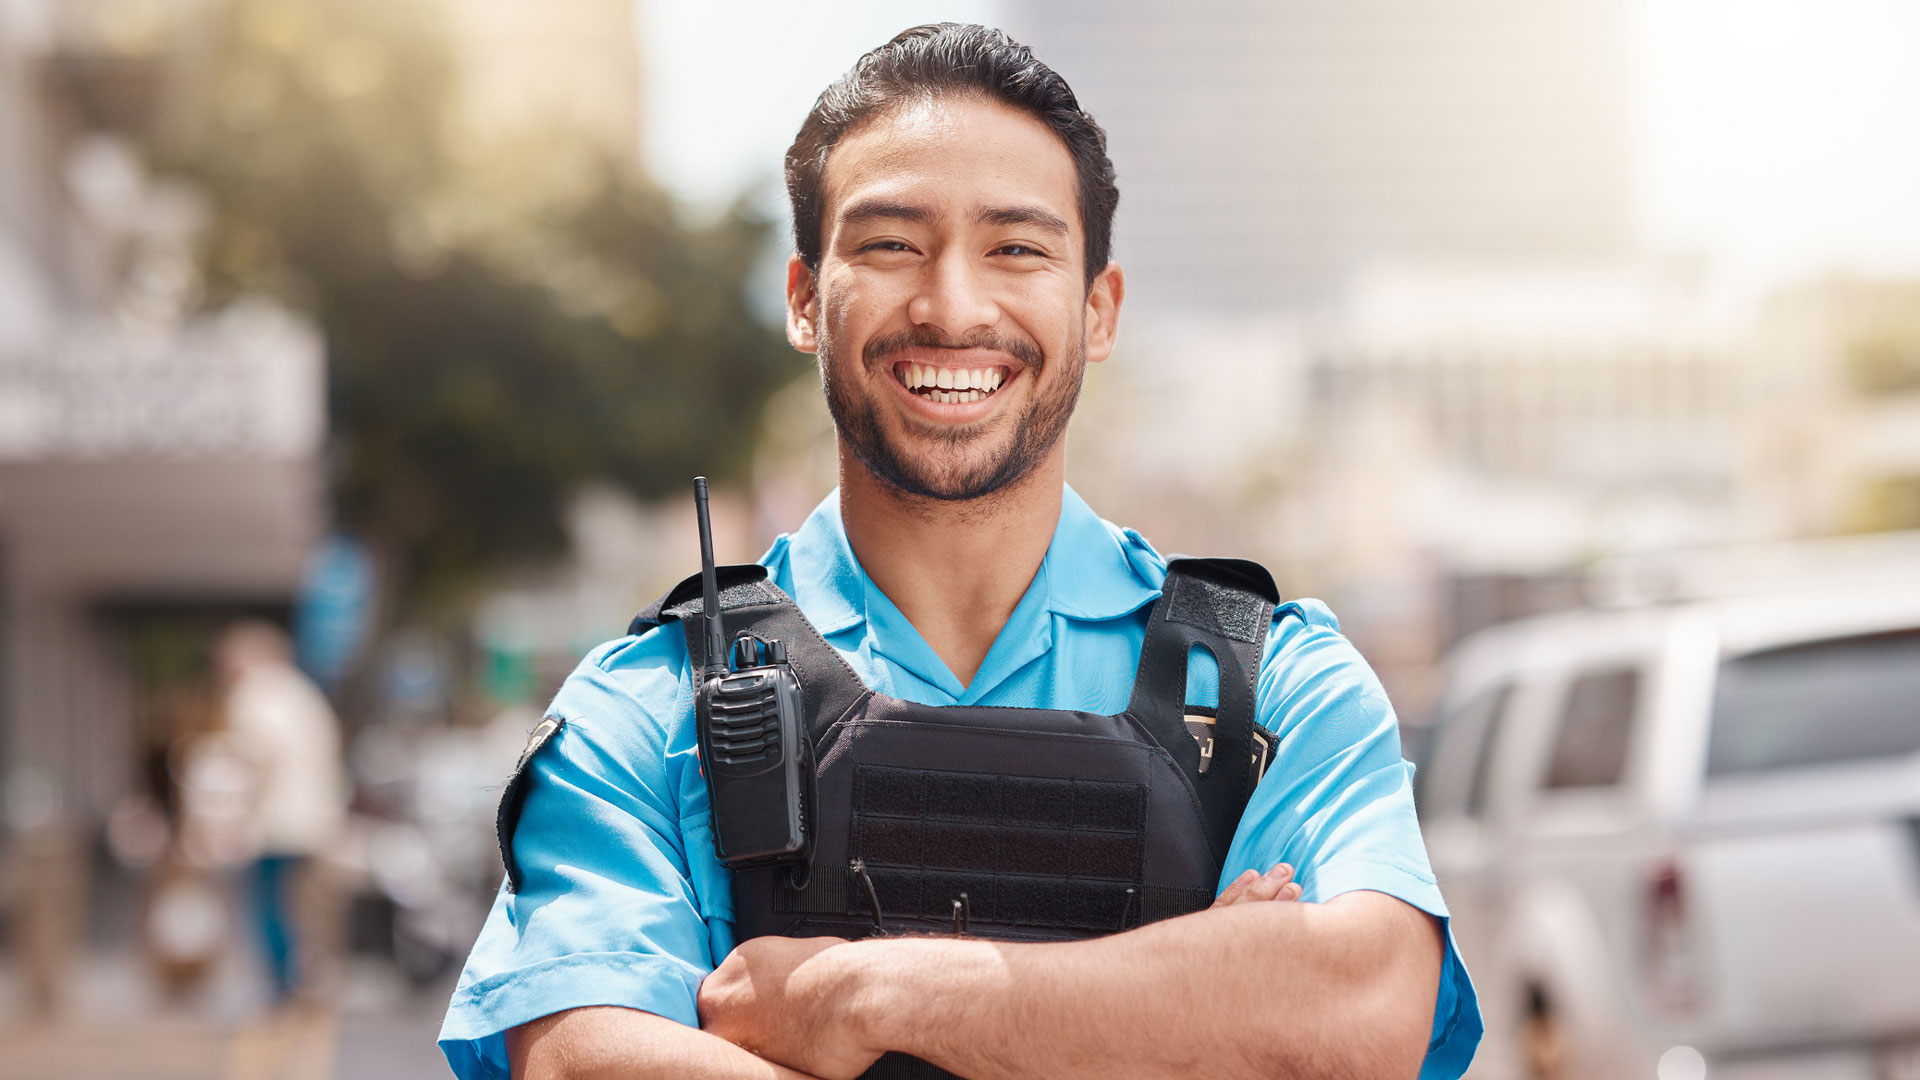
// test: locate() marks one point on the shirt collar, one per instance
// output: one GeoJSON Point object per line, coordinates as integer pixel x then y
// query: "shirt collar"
{"type": "Point", "coordinates": [1093, 570]}
{"type": "Point", "coordinates": [828, 583]}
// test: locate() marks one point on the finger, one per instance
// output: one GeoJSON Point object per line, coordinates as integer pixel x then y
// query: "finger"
{"type": "Point", "coordinates": [1269, 884]}
{"type": "Point", "coordinates": [1291, 892]}
{"type": "Point", "coordinates": [1232, 893]}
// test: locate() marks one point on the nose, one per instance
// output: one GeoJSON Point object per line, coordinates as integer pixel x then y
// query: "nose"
{"type": "Point", "coordinates": [952, 297]}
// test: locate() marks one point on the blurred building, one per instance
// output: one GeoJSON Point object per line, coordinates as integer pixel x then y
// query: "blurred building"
{"type": "Point", "coordinates": [153, 457]}
{"type": "Point", "coordinates": [1847, 453]}
{"type": "Point", "coordinates": [1481, 436]}
{"type": "Point", "coordinates": [1269, 151]}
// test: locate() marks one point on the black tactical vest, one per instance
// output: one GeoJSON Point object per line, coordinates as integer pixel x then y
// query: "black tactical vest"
{"type": "Point", "coordinates": [1017, 824]}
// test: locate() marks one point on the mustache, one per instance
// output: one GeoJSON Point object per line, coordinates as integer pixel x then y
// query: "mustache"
{"type": "Point", "coordinates": [928, 337]}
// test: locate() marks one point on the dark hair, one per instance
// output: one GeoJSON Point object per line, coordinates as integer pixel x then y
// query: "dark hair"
{"type": "Point", "coordinates": [948, 58]}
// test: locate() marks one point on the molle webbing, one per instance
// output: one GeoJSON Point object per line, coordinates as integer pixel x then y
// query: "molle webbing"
{"type": "Point", "coordinates": [1028, 852]}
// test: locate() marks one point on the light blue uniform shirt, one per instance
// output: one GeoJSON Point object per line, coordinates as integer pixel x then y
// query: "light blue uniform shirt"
{"type": "Point", "coordinates": [625, 903]}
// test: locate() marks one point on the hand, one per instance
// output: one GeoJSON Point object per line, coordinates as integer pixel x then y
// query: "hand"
{"type": "Point", "coordinates": [1275, 884]}
{"type": "Point", "coordinates": [790, 1001]}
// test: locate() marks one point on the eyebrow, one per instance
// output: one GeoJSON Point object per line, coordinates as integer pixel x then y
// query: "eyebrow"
{"type": "Point", "coordinates": [879, 209]}
{"type": "Point", "coordinates": [884, 209]}
{"type": "Point", "coordinates": [1034, 216]}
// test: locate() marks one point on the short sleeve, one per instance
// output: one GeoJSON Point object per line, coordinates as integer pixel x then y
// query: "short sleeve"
{"type": "Point", "coordinates": [609, 910]}
{"type": "Point", "coordinates": [1337, 801]}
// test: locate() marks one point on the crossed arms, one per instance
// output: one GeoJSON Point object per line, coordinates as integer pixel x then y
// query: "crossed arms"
{"type": "Point", "coordinates": [1243, 989]}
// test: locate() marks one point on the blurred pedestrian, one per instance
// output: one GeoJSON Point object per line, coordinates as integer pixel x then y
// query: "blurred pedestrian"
{"type": "Point", "coordinates": [282, 726]}
{"type": "Point", "coordinates": [47, 886]}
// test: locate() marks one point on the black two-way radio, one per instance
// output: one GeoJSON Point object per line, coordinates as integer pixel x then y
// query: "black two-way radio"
{"type": "Point", "coordinates": [753, 737]}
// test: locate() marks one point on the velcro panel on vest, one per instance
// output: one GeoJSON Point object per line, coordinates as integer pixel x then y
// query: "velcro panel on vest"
{"type": "Point", "coordinates": [740, 584]}
{"type": "Point", "coordinates": [1217, 609]}
{"type": "Point", "coordinates": [1027, 851]}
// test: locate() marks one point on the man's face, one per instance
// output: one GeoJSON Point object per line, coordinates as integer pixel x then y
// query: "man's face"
{"type": "Point", "coordinates": [951, 313]}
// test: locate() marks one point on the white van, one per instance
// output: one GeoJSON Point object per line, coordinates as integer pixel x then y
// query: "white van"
{"type": "Point", "coordinates": [1682, 840]}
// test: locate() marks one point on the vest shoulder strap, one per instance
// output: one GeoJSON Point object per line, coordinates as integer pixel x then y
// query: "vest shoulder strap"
{"type": "Point", "coordinates": [750, 602]}
{"type": "Point", "coordinates": [1225, 607]}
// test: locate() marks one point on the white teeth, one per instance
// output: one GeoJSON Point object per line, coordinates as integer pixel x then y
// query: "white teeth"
{"type": "Point", "coordinates": [952, 385]}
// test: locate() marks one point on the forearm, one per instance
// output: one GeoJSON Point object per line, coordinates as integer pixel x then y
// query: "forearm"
{"type": "Point", "coordinates": [1256, 990]}
{"type": "Point", "coordinates": [609, 1043]}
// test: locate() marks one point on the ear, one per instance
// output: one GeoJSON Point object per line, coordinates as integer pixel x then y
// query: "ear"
{"type": "Point", "coordinates": [803, 306]}
{"type": "Point", "coordinates": [1103, 312]}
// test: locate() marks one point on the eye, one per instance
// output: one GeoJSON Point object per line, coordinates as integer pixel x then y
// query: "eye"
{"type": "Point", "coordinates": [886, 245]}
{"type": "Point", "coordinates": [1019, 250]}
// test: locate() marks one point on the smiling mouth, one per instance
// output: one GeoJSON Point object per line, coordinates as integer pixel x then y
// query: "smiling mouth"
{"type": "Point", "coordinates": [949, 385]}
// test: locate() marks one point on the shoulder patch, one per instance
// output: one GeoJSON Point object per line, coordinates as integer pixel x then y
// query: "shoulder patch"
{"type": "Point", "coordinates": [515, 796]}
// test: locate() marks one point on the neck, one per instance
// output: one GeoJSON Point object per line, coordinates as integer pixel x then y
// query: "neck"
{"type": "Point", "coordinates": [956, 570]}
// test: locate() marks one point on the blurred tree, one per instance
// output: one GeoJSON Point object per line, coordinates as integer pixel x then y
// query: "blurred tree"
{"type": "Point", "coordinates": [506, 315]}
{"type": "Point", "coordinates": [1886, 502]}
{"type": "Point", "coordinates": [1886, 361]}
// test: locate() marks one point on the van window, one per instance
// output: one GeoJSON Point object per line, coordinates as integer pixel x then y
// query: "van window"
{"type": "Point", "coordinates": [1447, 780]}
{"type": "Point", "coordinates": [1496, 707]}
{"type": "Point", "coordinates": [1849, 699]}
{"type": "Point", "coordinates": [1596, 723]}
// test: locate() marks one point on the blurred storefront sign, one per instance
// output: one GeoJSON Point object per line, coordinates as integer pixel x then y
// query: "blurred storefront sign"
{"type": "Point", "coordinates": [241, 383]}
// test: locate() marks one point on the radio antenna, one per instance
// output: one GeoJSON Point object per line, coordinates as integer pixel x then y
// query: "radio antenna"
{"type": "Point", "coordinates": [709, 585]}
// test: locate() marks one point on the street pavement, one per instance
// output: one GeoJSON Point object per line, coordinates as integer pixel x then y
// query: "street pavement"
{"type": "Point", "coordinates": [116, 1026]}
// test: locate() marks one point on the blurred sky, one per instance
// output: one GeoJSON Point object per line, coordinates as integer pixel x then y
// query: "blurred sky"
{"type": "Point", "coordinates": [1775, 136]}
{"type": "Point", "coordinates": [726, 84]}
{"type": "Point", "coordinates": [1781, 134]}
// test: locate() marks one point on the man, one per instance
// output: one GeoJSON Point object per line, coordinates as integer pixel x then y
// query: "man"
{"type": "Point", "coordinates": [952, 212]}
{"type": "Point", "coordinates": [282, 727]}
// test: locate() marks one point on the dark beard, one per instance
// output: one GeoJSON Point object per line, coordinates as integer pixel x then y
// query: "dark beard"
{"type": "Point", "coordinates": [1035, 433]}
